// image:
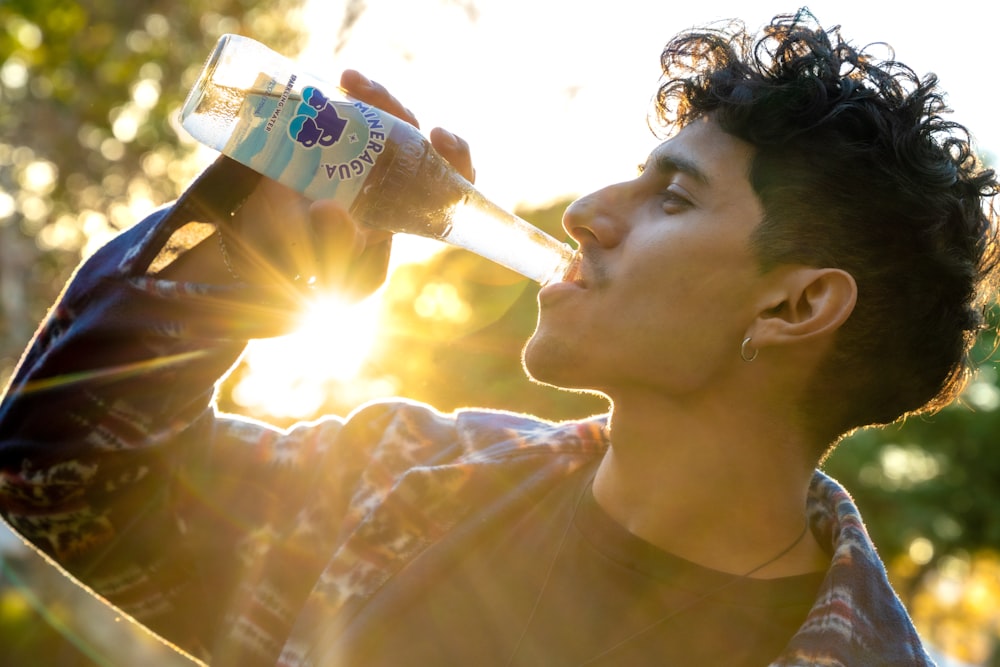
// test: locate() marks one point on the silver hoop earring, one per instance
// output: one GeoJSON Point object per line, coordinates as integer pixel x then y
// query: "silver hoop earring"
{"type": "Point", "coordinates": [743, 351]}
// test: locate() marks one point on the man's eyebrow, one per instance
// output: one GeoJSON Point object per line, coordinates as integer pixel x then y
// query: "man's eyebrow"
{"type": "Point", "coordinates": [667, 163]}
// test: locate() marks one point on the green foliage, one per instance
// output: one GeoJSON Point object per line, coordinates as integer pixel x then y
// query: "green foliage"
{"type": "Point", "coordinates": [89, 91]}
{"type": "Point", "coordinates": [934, 476]}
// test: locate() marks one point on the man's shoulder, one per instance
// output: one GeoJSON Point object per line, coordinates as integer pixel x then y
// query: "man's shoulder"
{"type": "Point", "coordinates": [475, 434]}
{"type": "Point", "coordinates": [857, 617]}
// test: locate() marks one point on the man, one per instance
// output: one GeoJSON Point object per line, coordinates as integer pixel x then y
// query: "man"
{"type": "Point", "coordinates": [807, 253]}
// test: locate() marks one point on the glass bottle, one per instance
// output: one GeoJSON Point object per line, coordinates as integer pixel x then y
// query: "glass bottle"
{"type": "Point", "coordinates": [259, 108]}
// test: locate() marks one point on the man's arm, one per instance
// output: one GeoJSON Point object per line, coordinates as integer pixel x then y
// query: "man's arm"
{"type": "Point", "coordinates": [101, 425]}
{"type": "Point", "coordinates": [112, 459]}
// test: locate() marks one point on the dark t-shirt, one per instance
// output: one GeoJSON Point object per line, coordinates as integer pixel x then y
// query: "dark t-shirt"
{"type": "Point", "coordinates": [601, 596]}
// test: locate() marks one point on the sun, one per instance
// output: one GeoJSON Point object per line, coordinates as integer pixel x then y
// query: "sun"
{"type": "Point", "coordinates": [290, 375]}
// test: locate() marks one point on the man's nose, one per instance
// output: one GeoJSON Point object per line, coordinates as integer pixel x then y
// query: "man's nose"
{"type": "Point", "coordinates": [598, 217]}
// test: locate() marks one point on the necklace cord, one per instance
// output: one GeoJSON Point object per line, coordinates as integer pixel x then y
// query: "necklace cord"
{"type": "Point", "coordinates": [784, 552]}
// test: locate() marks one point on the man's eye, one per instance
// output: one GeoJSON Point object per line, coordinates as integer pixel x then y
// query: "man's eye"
{"type": "Point", "coordinates": [674, 200]}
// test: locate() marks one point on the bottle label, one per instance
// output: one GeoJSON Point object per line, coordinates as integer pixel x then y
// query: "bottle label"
{"type": "Point", "coordinates": [322, 147]}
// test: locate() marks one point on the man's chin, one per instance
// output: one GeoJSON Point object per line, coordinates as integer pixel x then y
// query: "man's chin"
{"type": "Point", "coordinates": [551, 363]}
{"type": "Point", "coordinates": [537, 360]}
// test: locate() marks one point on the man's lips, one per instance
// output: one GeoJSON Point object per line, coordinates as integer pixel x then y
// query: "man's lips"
{"type": "Point", "coordinates": [572, 280]}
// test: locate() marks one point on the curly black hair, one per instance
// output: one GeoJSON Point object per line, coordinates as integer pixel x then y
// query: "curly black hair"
{"type": "Point", "coordinates": [856, 168]}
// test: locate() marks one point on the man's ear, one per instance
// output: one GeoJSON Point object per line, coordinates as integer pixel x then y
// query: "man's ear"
{"type": "Point", "coordinates": [804, 302]}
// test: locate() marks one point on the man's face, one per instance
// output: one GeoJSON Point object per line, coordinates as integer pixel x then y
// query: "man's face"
{"type": "Point", "coordinates": [668, 277]}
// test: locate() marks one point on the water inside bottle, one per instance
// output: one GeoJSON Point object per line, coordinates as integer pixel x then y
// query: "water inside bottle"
{"type": "Point", "coordinates": [483, 228]}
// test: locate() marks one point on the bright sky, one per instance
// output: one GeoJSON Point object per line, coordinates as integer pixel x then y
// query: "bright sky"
{"type": "Point", "coordinates": [552, 94]}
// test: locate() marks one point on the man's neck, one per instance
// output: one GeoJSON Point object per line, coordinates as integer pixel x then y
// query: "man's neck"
{"type": "Point", "coordinates": [720, 485]}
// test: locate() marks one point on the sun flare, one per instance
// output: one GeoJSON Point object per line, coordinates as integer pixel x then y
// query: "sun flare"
{"type": "Point", "coordinates": [289, 376]}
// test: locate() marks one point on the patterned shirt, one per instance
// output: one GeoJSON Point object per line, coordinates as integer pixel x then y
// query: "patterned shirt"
{"type": "Point", "coordinates": [246, 545]}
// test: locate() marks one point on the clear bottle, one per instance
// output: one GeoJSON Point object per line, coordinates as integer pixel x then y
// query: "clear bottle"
{"type": "Point", "coordinates": [259, 108]}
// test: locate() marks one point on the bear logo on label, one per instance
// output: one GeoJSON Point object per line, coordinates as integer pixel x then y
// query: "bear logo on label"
{"type": "Point", "coordinates": [316, 121]}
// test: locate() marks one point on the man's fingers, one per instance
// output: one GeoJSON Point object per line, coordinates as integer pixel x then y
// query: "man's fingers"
{"type": "Point", "coordinates": [361, 87]}
{"type": "Point", "coordinates": [452, 147]}
{"type": "Point", "coordinates": [455, 150]}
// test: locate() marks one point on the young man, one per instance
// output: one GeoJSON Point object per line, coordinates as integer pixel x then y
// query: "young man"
{"type": "Point", "coordinates": [808, 252]}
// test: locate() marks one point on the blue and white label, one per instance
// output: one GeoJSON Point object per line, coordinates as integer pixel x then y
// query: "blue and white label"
{"type": "Point", "coordinates": [319, 146]}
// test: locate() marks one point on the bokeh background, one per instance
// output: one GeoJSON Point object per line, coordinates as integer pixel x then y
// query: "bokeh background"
{"type": "Point", "coordinates": [552, 95]}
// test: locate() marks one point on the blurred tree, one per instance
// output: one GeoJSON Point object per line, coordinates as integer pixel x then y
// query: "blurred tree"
{"type": "Point", "coordinates": [89, 142]}
{"type": "Point", "coordinates": [928, 490]}
{"type": "Point", "coordinates": [89, 91]}
{"type": "Point", "coordinates": [928, 485]}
